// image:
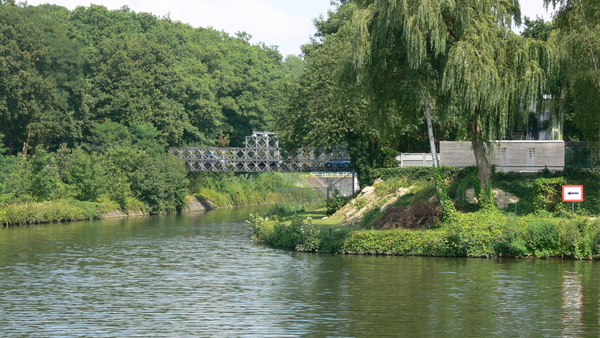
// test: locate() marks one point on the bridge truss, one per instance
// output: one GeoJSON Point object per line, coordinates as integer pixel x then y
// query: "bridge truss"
{"type": "Point", "coordinates": [262, 153]}
{"type": "Point", "coordinates": [261, 159]}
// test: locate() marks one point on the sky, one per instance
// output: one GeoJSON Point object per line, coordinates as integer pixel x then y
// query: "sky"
{"type": "Point", "coordinates": [283, 23]}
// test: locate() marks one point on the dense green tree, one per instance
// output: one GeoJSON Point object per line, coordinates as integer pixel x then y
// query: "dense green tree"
{"type": "Point", "coordinates": [82, 172]}
{"type": "Point", "coordinates": [327, 107]}
{"type": "Point", "coordinates": [158, 181]}
{"type": "Point", "coordinates": [293, 65]}
{"type": "Point", "coordinates": [62, 72]}
{"type": "Point", "coordinates": [575, 86]}
{"type": "Point", "coordinates": [318, 114]}
{"type": "Point", "coordinates": [537, 29]}
{"type": "Point", "coordinates": [249, 91]}
{"type": "Point", "coordinates": [40, 79]}
{"type": "Point", "coordinates": [111, 90]}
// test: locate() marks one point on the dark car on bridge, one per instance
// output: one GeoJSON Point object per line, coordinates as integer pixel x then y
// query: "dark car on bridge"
{"type": "Point", "coordinates": [338, 164]}
{"type": "Point", "coordinates": [273, 164]}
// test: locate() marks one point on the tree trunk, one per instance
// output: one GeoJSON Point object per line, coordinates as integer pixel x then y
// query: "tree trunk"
{"type": "Point", "coordinates": [484, 168]}
{"type": "Point", "coordinates": [26, 143]}
{"type": "Point", "coordinates": [430, 133]}
{"type": "Point", "coordinates": [433, 150]}
{"type": "Point", "coordinates": [11, 146]}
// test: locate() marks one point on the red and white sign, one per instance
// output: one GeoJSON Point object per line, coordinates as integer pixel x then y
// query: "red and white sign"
{"type": "Point", "coordinates": [572, 193]}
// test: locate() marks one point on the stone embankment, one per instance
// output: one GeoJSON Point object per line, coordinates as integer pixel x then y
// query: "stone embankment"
{"type": "Point", "coordinates": [368, 199]}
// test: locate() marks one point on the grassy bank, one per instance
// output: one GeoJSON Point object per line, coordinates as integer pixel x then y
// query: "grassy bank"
{"type": "Point", "coordinates": [478, 234]}
{"type": "Point", "coordinates": [223, 190]}
{"type": "Point", "coordinates": [50, 212]}
{"type": "Point", "coordinates": [541, 227]}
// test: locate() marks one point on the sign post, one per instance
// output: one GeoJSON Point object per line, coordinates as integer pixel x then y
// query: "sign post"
{"type": "Point", "coordinates": [572, 193]}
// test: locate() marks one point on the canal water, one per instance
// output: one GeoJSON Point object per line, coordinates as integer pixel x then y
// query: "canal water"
{"type": "Point", "coordinates": [201, 275]}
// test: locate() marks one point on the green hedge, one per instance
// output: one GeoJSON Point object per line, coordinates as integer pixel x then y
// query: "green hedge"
{"type": "Point", "coordinates": [300, 235]}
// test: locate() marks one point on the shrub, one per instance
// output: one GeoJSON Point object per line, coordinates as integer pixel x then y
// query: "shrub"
{"type": "Point", "coordinates": [475, 234]}
{"type": "Point", "coordinates": [300, 235]}
{"type": "Point", "coordinates": [396, 242]}
{"type": "Point", "coordinates": [333, 240]}
{"type": "Point", "coordinates": [161, 183]}
{"type": "Point", "coordinates": [335, 202]}
{"type": "Point", "coordinates": [542, 237]}
{"type": "Point", "coordinates": [548, 193]}
{"type": "Point", "coordinates": [262, 227]}
{"type": "Point", "coordinates": [283, 208]}
{"type": "Point", "coordinates": [83, 172]}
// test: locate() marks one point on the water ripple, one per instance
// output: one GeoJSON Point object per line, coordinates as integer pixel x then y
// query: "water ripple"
{"type": "Point", "coordinates": [200, 275]}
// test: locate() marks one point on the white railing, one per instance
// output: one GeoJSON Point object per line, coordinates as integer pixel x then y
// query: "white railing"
{"type": "Point", "coordinates": [415, 160]}
{"type": "Point", "coordinates": [332, 174]}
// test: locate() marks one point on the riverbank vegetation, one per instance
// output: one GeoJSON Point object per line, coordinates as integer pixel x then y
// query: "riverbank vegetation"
{"type": "Point", "coordinates": [399, 217]}
{"type": "Point", "coordinates": [91, 98]}
{"type": "Point", "coordinates": [222, 190]}
{"type": "Point", "coordinates": [67, 184]}
{"type": "Point", "coordinates": [384, 77]}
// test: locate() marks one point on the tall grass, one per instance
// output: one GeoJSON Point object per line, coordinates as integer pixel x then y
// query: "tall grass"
{"type": "Point", "coordinates": [50, 211]}
{"type": "Point", "coordinates": [245, 189]}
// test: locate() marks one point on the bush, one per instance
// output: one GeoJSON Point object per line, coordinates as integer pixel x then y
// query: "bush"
{"type": "Point", "coordinates": [333, 240]}
{"type": "Point", "coordinates": [33, 179]}
{"type": "Point", "coordinates": [262, 227]}
{"type": "Point", "coordinates": [485, 233]}
{"type": "Point", "coordinates": [396, 242]}
{"type": "Point", "coordinates": [301, 235]}
{"type": "Point", "coordinates": [335, 202]}
{"type": "Point", "coordinates": [548, 193]}
{"type": "Point", "coordinates": [475, 234]}
{"type": "Point", "coordinates": [284, 208]}
{"type": "Point", "coordinates": [161, 183]}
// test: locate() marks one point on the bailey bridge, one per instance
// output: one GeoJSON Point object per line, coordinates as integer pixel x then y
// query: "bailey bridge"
{"type": "Point", "coordinates": [262, 153]}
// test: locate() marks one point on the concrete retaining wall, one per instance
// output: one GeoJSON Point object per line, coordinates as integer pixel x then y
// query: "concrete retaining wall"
{"type": "Point", "coordinates": [517, 156]}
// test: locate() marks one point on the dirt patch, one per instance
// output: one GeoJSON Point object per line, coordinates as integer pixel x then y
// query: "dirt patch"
{"type": "Point", "coordinates": [421, 215]}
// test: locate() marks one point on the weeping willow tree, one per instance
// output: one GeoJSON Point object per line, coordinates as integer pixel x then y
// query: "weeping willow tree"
{"type": "Point", "coordinates": [460, 61]}
{"type": "Point", "coordinates": [575, 86]}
